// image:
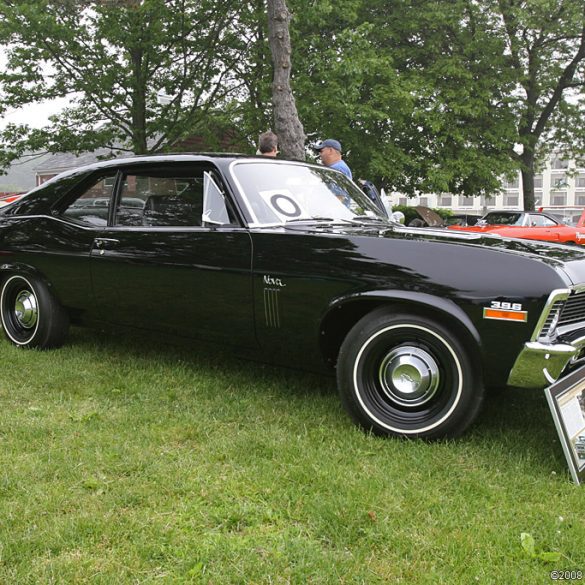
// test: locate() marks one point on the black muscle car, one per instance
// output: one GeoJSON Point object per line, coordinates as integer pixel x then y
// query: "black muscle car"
{"type": "Point", "coordinates": [293, 263]}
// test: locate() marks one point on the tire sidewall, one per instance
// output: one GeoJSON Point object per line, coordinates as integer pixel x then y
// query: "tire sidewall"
{"type": "Point", "coordinates": [9, 287]}
{"type": "Point", "coordinates": [455, 407]}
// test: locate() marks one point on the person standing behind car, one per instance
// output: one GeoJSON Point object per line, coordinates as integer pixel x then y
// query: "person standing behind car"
{"type": "Point", "coordinates": [268, 144]}
{"type": "Point", "coordinates": [330, 154]}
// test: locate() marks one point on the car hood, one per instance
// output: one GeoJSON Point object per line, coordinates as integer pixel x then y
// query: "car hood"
{"type": "Point", "coordinates": [570, 260]}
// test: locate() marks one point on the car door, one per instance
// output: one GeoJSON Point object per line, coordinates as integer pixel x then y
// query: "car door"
{"type": "Point", "coordinates": [158, 266]}
{"type": "Point", "coordinates": [544, 228]}
{"type": "Point", "coordinates": [59, 243]}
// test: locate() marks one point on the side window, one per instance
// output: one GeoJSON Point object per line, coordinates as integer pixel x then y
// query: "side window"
{"type": "Point", "coordinates": [92, 206]}
{"type": "Point", "coordinates": [158, 198]}
{"type": "Point", "coordinates": [536, 220]}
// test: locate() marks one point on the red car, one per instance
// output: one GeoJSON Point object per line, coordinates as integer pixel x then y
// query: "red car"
{"type": "Point", "coordinates": [530, 225]}
{"type": "Point", "coordinates": [11, 198]}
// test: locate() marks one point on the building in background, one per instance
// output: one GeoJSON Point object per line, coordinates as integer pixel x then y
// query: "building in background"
{"type": "Point", "coordinates": [559, 188]}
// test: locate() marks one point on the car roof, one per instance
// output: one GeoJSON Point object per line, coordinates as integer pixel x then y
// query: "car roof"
{"type": "Point", "coordinates": [149, 158]}
{"type": "Point", "coordinates": [225, 158]}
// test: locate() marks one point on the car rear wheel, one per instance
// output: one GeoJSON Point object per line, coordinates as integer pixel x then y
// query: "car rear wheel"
{"type": "Point", "coordinates": [31, 316]}
{"type": "Point", "coordinates": [405, 375]}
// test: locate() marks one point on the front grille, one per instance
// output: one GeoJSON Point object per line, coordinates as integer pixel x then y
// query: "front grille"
{"type": "Point", "coordinates": [551, 316]}
{"type": "Point", "coordinates": [574, 310]}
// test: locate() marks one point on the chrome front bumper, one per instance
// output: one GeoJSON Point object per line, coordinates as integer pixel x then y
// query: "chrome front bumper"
{"type": "Point", "coordinates": [540, 364]}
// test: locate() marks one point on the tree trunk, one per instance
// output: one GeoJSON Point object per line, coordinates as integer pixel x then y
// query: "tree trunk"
{"type": "Point", "coordinates": [288, 127]}
{"type": "Point", "coordinates": [527, 170]}
{"type": "Point", "coordinates": [528, 189]}
{"type": "Point", "coordinates": [139, 145]}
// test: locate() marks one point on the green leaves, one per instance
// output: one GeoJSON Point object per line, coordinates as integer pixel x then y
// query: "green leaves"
{"type": "Point", "coordinates": [116, 59]}
{"type": "Point", "coordinates": [529, 547]}
{"type": "Point", "coordinates": [425, 96]}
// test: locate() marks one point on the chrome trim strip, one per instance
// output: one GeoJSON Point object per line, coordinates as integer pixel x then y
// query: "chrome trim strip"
{"type": "Point", "coordinates": [578, 288]}
{"type": "Point", "coordinates": [567, 329]}
{"type": "Point", "coordinates": [93, 228]}
{"type": "Point", "coordinates": [559, 294]}
{"type": "Point", "coordinates": [272, 307]}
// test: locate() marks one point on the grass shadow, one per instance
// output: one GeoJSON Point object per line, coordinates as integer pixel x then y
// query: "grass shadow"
{"type": "Point", "coordinates": [512, 421]}
{"type": "Point", "coordinates": [195, 356]}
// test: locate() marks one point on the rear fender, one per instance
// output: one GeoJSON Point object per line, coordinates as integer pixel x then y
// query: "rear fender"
{"type": "Point", "coordinates": [7, 268]}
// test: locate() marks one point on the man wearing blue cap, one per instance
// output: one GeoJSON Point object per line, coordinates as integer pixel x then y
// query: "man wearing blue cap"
{"type": "Point", "coordinates": [330, 153]}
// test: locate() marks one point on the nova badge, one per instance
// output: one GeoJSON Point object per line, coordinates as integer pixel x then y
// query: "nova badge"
{"type": "Point", "coordinates": [270, 281]}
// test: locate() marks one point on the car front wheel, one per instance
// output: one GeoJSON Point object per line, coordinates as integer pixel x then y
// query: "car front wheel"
{"type": "Point", "coordinates": [406, 375]}
{"type": "Point", "coordinates": [31, 316]}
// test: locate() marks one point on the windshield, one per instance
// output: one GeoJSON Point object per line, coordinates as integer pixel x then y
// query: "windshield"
{"type": "Point", "coordinates": [286, 192]}
{"type": "Point", "coordinates": [496, 218]}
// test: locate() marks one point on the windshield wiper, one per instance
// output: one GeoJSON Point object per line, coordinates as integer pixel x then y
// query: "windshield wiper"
{"type": "Point", "coordinates": [370, 218]}
{"type": "Point", "coordinates": [312, 218]}
{"type": "Point", "coordinates": [338, 220]}
{"type": "Point", "coordinates": [320, 218]}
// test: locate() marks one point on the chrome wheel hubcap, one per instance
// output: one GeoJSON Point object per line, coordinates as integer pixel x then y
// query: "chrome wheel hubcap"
{"type": "Point", "coordinates": [25, 309]}
{"type": "Point", "coordinates": [409, 376]}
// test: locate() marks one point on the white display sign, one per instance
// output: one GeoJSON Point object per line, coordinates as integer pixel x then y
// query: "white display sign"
{"type": "Point", "coordinates": [566, 399]}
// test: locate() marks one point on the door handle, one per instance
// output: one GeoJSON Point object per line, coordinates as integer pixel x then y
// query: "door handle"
{"type": "Point", "coordinates": [102, 244]}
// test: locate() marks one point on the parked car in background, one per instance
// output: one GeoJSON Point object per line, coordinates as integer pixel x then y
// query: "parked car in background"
{"type": "Point", "coordinates": [463, 219]}
{"type": "Point", "coordinates": [293, 264]}
{"type": "Point", "coordinates": [427, 217]}
{"type": "Point", "coordinates": [530, 225]}
{"type": "Point", "coordinates": [10, 198]}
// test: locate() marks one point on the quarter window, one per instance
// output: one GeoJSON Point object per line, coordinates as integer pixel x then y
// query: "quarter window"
{"type": "Point", "coordinates": [540, 221]}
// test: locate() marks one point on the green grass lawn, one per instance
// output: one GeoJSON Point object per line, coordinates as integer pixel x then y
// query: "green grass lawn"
{"type": "Point", "coordinates": [123, 461]}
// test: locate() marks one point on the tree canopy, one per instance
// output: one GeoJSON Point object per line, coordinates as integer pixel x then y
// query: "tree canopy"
{"type": "Point", "coordinates": [425, 96]}
{"type": "Point", "coordinates": [141, 74]}
{"type": "Point", "coordinates": [442, 97]}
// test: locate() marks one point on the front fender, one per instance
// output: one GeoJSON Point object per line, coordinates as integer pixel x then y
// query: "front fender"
{"type": "Point", "coordinates": [429, 302]}
{"type": "Point", "coordinates": [343, 312]}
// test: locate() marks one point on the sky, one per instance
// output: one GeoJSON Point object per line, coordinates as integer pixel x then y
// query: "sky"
{"type": "Point", "coordinates": [37, 115]}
